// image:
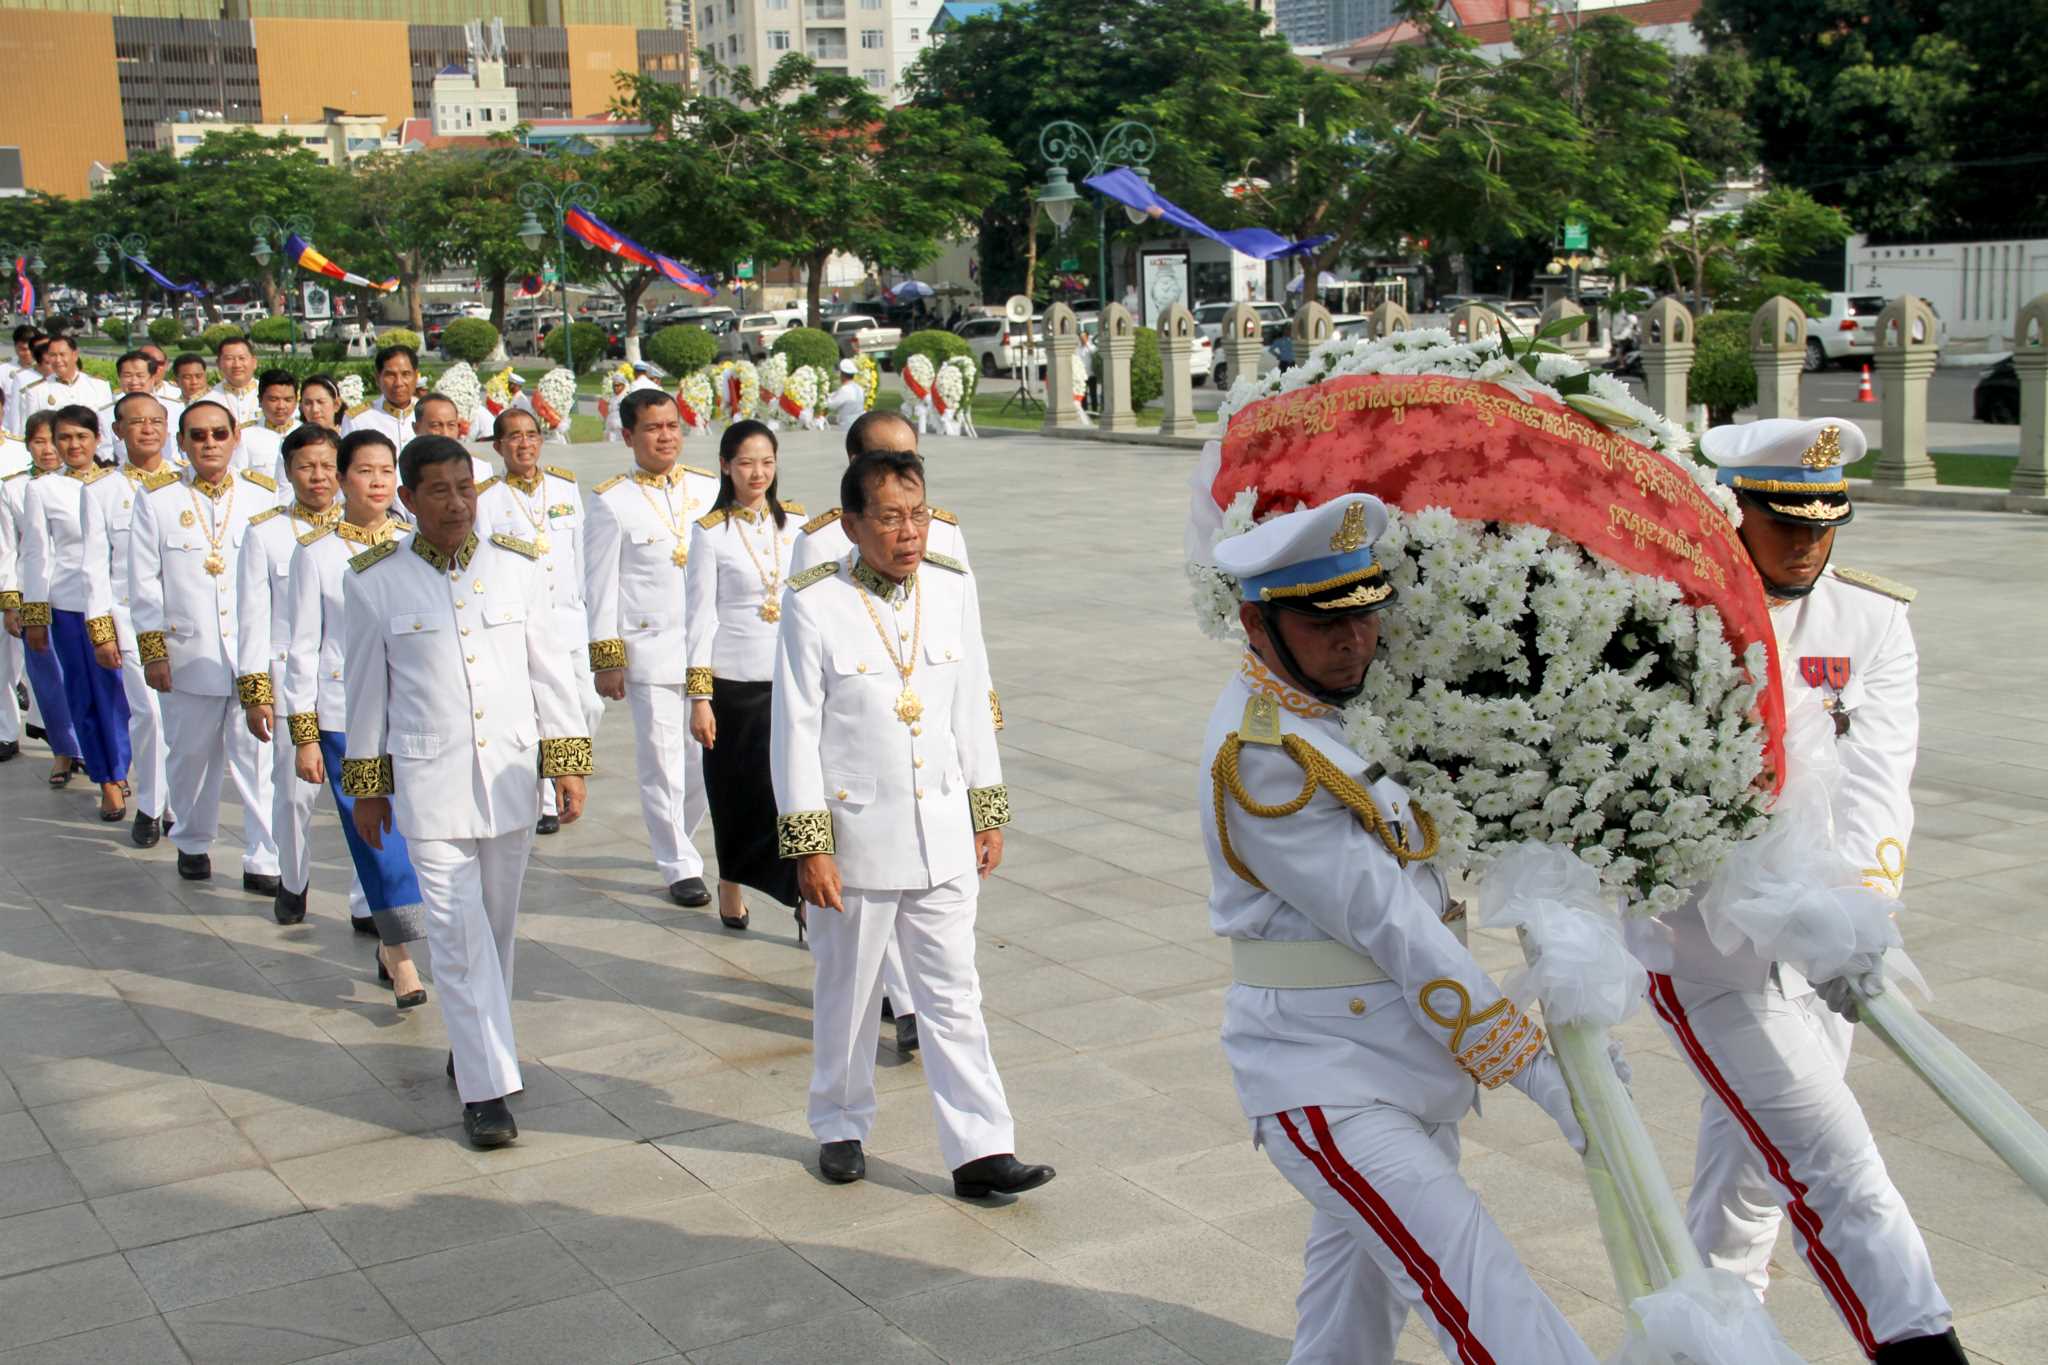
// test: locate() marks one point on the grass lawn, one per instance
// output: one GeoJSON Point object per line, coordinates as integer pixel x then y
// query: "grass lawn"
{"type": "Point", "coordinates": [1966, 471]}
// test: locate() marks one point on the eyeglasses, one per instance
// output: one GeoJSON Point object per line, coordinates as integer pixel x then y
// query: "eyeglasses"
{"type": "Point", "coordinates": [143, 421]}
{"type": "Point", "coordinates": [521, 438]}
{"type": "Point", "coordinates": [222, 434]}
{"type": "Point", "coordinates": [891, 523]}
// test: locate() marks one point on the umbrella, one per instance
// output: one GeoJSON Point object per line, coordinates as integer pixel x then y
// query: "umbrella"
{"type": "Point", "coordinates": [909, 289]}
{"type": "Point", "coordinates": [1324, 280]}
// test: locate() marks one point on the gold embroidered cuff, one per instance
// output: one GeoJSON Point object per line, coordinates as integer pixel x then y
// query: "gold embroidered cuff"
{"type": "Point", "coordinates": [804, 832]}
{"type": "Point", "coordinates": [990, 807]}
{"type": "Point", "coordinates": [150, 646]}
{"type": "Point", "coordinates": [254, 689]}
{"type": "Point", "coordinates": [607, 654]}
{"type": "Point", "coordinates": [10, 600]}
{"type": "Point", "coordinates": [995, 708]}
{"type": "Point", "coordinates": [697, 682]}
{"type": "Point", "coordinates": [1507, 1047]}
{"type": "Point", "coordinates": [366, 776]}
{"type": "Point", "coordinates": [304, 726]}
{"type": "Point", "coordinates": [99, 630]}
{"type": "Point", "coordinates": [35, 613]}
{"type": "Point", "coordinates": [566, 758]}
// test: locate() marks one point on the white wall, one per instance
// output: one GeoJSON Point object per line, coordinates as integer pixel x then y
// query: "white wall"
{"type": "Point", "coordinates": [1976, 287]}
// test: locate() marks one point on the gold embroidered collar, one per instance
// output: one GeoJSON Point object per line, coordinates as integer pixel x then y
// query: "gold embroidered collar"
{"type": "Point", "coordinates": [282, 430]}
{"type": "Point", "coordinates": [527, 485]}
{"type": "Point", "coordinates": [671, 479]}
{"type": "Point", "coordinates": [878, 585]}
{"type": "Point", "coordinates": [1262, 680]}
{"type": "Point", "coordinates": [349, 531]}
{"type": "Point", "coordinates": [215, 491]}
{"type": "Point", "coordinates": [401, 413]}
{"type": "Point", "coordinates": [246, 391]}
{"type": "Point", "coordinates": [748, 515]}
{"type": "Point", "coordinates": [327, 516]}
{"type": "Point", "coordinates": [460, 559]}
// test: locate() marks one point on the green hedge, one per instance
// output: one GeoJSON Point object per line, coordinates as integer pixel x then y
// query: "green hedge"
{"type": "Point", "coordinates": [1723, 377]}
{"type": "Point", "coordinates": [471, 339]}
{"type": "Point", "coordinates": [278, 331]}
{"type": "Point", "coordinates": [808, 346]}
{"type": "Point", "coordinates": [166, 330]}
{"type": "Point", "coordinates": [218, 335]}
{"type": "Point", "coordinates": [399, 336]}
{"type": "Point", "coordinates": [115, 330]}
{"type": "Point", "coordinates": [1148, 375]}
{"type": "Point", "coordinates": [590, 343]}
{"type": "Point", "coordinates": [930, 342]}
{"type": "Point", "coordinates": [681, 350]}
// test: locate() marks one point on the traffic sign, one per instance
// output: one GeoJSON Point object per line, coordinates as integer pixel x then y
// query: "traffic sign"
{"type": "Point", "coordinates": [1575, 238]}
{"type": "Point", "coordinates": [1071, 263]}
{"type": "Point", "coordinates": [745, 270]}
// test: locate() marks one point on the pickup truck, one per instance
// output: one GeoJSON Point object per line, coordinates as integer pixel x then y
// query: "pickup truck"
{"type": "Point", "coordinates": [857, 333]}
{"type": "Point", "coordinates": [752, 337]}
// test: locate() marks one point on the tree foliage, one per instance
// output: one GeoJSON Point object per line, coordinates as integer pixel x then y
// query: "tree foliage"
{"type": "Point", "coordinates": [939, 345]}
{"type": "Point", "coordinates": [470, 339]}
{"type": "Point", "coordinates": [1723, 377]}
{"type": "Point", "coordinates": [682, 350]}
{"type": "Point", "coordinates": [803, 346]}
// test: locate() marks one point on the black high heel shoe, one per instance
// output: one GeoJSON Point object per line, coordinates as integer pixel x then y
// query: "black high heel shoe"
{"type": "Point", "coordinates": [802, 923]}
{"type": "Point", "coordinates": [410, 998]}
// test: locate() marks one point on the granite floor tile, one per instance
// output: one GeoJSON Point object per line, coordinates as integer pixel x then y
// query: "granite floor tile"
{"type": "Point", "coordinates": [68, 1299]}
{"type": "Point", "coordinates": [710, 1304]}
{"type": "Point", "coordinates": [208, 1203]}
{"type": "Point", "coordinates": [591, 1329]}
{"type": "Point", "coordinates": [303, 1321]}
{"type": "Point", "coordinates": [219, 1265]}
{"type": "Point", "coordinates": [480, 1280]}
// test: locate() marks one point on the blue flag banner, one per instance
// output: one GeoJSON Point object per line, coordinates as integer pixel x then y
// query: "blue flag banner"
{"type": "Point", "coordinates": [191, 287]}
{"type": "Point", "coordinates": [1128, 188]}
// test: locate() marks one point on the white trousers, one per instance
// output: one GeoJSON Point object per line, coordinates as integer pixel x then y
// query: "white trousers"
{"type": "Point", "coordinates": [471, 891]}
{"type": "Point", "coordinates": [12, 671]}
{"type": "Point", "coordinates": [895, 985]}
{"type": "Point", "coordinates": [1781, 1130]}
{"type": "Point", "coordinates": [935, 931]}
{"type": "Point", "coordinates": [149, 754]}
{"type": "Point", "coordinates": [1397, 1228]}
{"type": "Point", "coordinates": [661, 745]}
{"type": "Point", "coordinates": [593, 712]}
{"type": "Point", "coordinates": [207, 741]}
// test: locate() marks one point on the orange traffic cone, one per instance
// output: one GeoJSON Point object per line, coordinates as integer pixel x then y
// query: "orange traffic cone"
{"type": "Point", "coordinates": [1864, 394]}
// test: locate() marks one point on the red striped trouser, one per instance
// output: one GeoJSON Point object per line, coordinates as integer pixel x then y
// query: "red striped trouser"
{"type": "Point", "coordinates": [1397, 1228]}
{"type": "Point", "coordinates": [1781, 1130]}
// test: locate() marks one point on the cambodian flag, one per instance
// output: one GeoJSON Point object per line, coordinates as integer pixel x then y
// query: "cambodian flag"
{"type": "Point", "coordinates": [25, 294]}
{"type": "Point", "coordinates": [590, 228]}
{"type": "Point", "coordinates": [301, 253]}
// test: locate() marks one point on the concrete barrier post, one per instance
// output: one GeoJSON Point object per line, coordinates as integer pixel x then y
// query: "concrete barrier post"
{"type": "Point", "coordinates": [1777, 348]}
{"type": "Point", "coordinates": [1176, 349]}
{"type": "Point", "coordinates": [1062, 338]}
{"type": "Point", "coordinates": [1905, 353]}
{"type": "Point", "coordinates": [1116, 340]}
{"type": "Point", "coordinates": [1238, 348]}
{"type": "Point", "coordinates": [1668, 343]}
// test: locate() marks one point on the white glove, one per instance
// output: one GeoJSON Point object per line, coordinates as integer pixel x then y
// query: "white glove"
{"type": "Point", "coordinates": [1862, 978]}
{"type": "Point", "coordinates": [1622, 1069]}
{"type": "Point", "coordinates": [1543, 1081]}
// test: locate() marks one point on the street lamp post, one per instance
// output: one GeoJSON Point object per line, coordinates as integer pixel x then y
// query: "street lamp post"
{"type": "Point", "coordinates": [1061, 141]}
{"type": "Point", "coordinates": [133, 244]}
{"type": "Point", "coordinates": [555, 201]}
{"type": "Point", "coordinates": [267, 230]}
{"type": "Point", "coordinates": [30, 254]}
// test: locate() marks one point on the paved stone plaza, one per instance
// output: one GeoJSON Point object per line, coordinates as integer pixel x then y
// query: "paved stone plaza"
{"type": "Point", "coordinates": [222, 1143]}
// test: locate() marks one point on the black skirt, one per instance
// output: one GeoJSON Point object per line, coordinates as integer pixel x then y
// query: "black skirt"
{"type": "Point", "coordinates": [742, 794]}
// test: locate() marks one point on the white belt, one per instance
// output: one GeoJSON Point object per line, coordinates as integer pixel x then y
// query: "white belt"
{"type": "Point", "coordinates": [1309, 964]}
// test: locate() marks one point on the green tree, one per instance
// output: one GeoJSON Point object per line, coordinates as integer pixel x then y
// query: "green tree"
{"type": "Point", "coordinates": [470, 339]}
{"type": "Point", "coordinates": [401, 202]}
{"type": "Point", "coordinates": [808, 346]}
{"type": "Point", "coordinates": [1723, 377]}
{"type": "Point", "coordinates": [682, 350]}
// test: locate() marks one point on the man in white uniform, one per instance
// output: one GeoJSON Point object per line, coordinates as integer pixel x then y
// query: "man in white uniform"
{"type": "Point", "coordinates": [635, 548]}
{"type": "Point", "coordinates": [67, 385]}
{"type": "Point", "coordinates": [15, 464]}
{"type": "Point", "coordinates": [392, 412]}
{"type": "Point", "coordinates": [185, 546]}
{"type": "Point", "coordinates": [542, 505]}
{"type": "Point", "coordinates": [1359, 1029]}
{"type": "Point", "coordinates": [435, 414]}
{"type": "Point", "coordinates": [1780, 1130]}
{"type": "Point", "coordinates": [109, 516]}
{"type": "Point", "coordinates": [188, 373]}
{"type": "Point", "coordinates": [458, 694]}
{"type": "Point", "coordinates": [889, 794]}
{"type": "Point", "coordinates": [134, 372]}
{"type": "Point", "coordinates": [850, 399]}
{"type": "Point", "coordinates": [262, 446]}
{"type": "Point", "coordinates": [18, 370]}
{"type": "Point", "coordinates": [237, 392]}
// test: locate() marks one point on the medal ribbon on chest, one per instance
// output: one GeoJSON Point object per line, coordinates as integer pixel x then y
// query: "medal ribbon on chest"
{"type": "Point", "coordinates": [1831, 670]}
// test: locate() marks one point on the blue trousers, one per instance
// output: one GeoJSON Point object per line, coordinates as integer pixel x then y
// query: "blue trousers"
{"type": "Point", "coordinates": [46, 676]}
{"type": "Point", "coordinates": [385, 873]}
{"type": "Point", "coordinates": [99, 702]}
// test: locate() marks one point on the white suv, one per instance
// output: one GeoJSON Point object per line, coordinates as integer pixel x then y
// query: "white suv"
{"type": "Point", "coordinates": [999, 346]}
{"type": "Point", "coordinates": [1845, 332]}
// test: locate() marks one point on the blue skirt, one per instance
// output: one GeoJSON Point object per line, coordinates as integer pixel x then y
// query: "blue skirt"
{"type": "Point", "coordinates": [46, 676]}
{"type": "Point", "coordinates": [99, 702]}
{"type": "Point", "coordinates": [385, 873]}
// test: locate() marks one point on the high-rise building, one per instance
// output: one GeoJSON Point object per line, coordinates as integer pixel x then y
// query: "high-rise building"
{"type": "Point", "coordinates": [871, 40]}
{"type": "Point", "coordinates": [1328, 23]}
{"type": "Point", "coordinates": [91, 81]}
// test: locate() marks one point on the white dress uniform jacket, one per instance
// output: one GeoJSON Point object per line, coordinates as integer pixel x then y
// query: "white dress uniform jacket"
{"type": "Point", "coordinates": [53, 541]}
{"type": "Point", "coordinates": [548, 514]}
{"type": "Point", "coordinates": [261, 450]}
{"type": "Point", "coordinates": [898, 804]}
{"type": "Point", "coordinates": [85, 391]}
{"type": "Point", "coordinates": [635, 548]}
{"type": "Point", "coordinates": [825, 538]}
{"type": "Point", "coordinates": [379, 415]}
{"type": "Point", "coordinates": [314, 695]}
{"type": "Point", "coordinates": [245, 405]}
{"type": "Point", "coordinates": [458, 691]}
{"type": "Point", "coordinates": [739, 562]}
{"type": "Point", "coordinates": [109, 512]}
{"type": "Point", "coordinates": [183, 556]}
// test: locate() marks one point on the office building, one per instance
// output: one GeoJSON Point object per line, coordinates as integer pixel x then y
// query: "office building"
{"type": "Point", "coordinates": [871, 40]}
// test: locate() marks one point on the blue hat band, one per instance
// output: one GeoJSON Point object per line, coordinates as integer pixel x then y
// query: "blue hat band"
{"type": "Point", "coordinates": [1784, 479]}
{"type": "Point", "coordinates": [1312, 576]}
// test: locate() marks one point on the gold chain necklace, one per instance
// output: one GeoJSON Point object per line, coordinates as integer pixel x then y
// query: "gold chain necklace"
{"type": "Point", "coordinates": [213, 563]}
{"type": "Point", "coordinates": [539, 522]}
{"type": "Point", "coordinates": [668, 520]}
{"type": "Point", "coordinates": [909, 708]}
{"type": "Point", "coordinates": [771, 610]}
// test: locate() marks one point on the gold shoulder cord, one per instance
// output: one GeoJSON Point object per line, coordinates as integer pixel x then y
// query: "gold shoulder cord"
{"type": "Point", "coordinates": [1317, 771]}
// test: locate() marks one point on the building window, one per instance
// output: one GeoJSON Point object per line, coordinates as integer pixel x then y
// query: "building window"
{"type": "Point", "coordinates": [778, 40]}
{"type": "Point", "coordinates": [870, 4]}
{"type": "Point", "coordinates": [915, 34]}
{"type": "Point", "coordinates": [876, 78]}
{"type": "Point", "coordinates": [871, 39]}
{"type": "Point", "coordinates": [778, 4]}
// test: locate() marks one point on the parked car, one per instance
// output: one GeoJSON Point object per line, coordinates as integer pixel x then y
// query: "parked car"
{"type": "Point", "coordinates": [1997, 395]}
{"type": "Point", "coordinates": [524, 334]}
{"type": "Point", "coordinates": [856, 333]}
{"type": "Point", "coordinates": [1273, 324]}
{"type": "Point", "coordinates": [1846, 332]}
{"type": "Point", "coordinates": [752, 336]}
{"type": "Point", "coordinates": [999, 345]}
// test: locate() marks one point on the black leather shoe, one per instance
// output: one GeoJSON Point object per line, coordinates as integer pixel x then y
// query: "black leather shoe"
{"type": "Point", "coordinates": [289, 907]}
{"type": "Point", "coordinates": [842, 1162]}
{"type": "Point", "coordinates": [999, 1174]}
{"type": "Point", "coordinates": [262, 883]}
{"type": "Point", "coordinates": [34, 732]}
{"type": "Point", "coordinates": [195, 867]}
{"type": "Point", "coordinates": [888, 1010]}
{"type": "Point", "coordinates": [451, 1066]}
{"type": "Point", "coordinates": [488, 1123]}
{"type": "Point", "coordinates": [690, 892]}
{"type": "Point", "coordinates": [365, 925]}
{"type": "Point", "coordinates": [549, 824]}
{"type": "Point", "coordinates": [1942, 1350]}
{"type": "Point", "coordinates": [906, 1033]}
{"type": "Point", "coordinates": [9, 748]}
{"type": "Point", "coordinates": [147, 830]}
